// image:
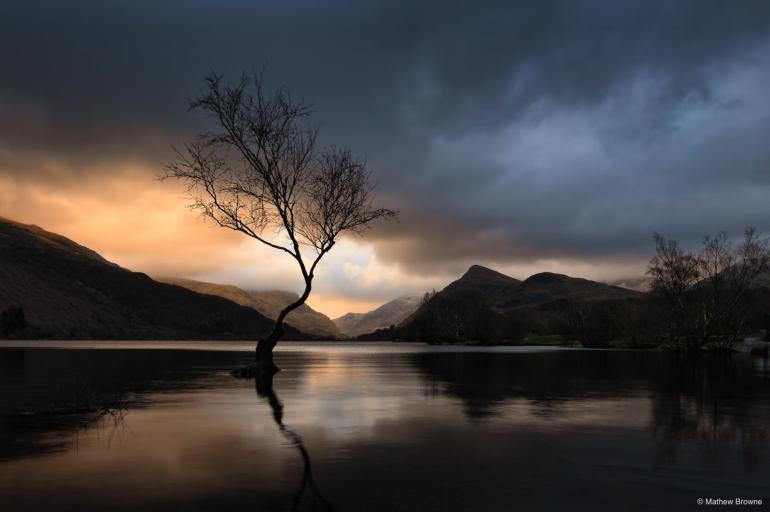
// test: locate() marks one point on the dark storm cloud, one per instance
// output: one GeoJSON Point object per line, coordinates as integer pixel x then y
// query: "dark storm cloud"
{"type": "Point", "coordinates": [504, 130]}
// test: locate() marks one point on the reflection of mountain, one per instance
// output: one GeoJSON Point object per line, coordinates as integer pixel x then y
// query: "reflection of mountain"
{"type": "Point", "coordinates": [483, 380]}
{"type": "Point", "coordinates": [64, 390]}
{"type": "Point", "coordinates": [267, 302]}
{"type": "Point", "coordinates": [719, 401]}
{"type": "Point", "coordinates": [392, 419]}
{"type": "Point", "coordinates": [390, 313]}
{"type": "Point", "coordinates": [713, 400]}
{"type": "Point", "coordinates": [55, 288]}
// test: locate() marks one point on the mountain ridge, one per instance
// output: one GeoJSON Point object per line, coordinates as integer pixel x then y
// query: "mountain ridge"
{"type": "Point", "coordinates": [484, 304]}
{"type": "Point", "coordinates": [390, 313]}
{"type": "Point", "coordinates": [53, 287]}
{"type": "Point", "coordinates": [267, 302]}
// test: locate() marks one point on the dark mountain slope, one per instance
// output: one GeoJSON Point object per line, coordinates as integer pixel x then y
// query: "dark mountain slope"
{"type": "Point", "coordinates": [481, 282]}
{"type": "Point", "coordinates": [267, 302]}
{"type": "Point", "coordinates": [548, 287]}
{"type": "Point", "coordinates": [65, 290]}
{"type": "Point", "coordinates": [484, 305]}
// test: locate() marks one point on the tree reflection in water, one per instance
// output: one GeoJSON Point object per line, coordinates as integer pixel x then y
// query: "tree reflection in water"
{"type": "Point", "coordinates": [717, 401]}
{"type": "Point", "coordinates": [263, 383]}
{"type": "Point", "coordinates": [716, 404]}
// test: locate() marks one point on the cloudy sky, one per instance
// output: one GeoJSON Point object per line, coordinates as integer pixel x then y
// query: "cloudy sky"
{"type": "Point", "coordinates": [525, 136]}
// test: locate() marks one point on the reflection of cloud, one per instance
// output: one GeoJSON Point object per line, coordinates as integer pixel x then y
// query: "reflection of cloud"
{"type": "Point", "coordinates": [347, 396]}
{"type": "Point", "coordinates": [350, 394]}
{"type": "Point", "coordinates": [156, 447]}
{"type": "Point", "coordinates": [382, 437]}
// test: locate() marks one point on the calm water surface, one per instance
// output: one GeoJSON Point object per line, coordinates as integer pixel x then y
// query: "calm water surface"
{"type": "Point", "coordinates": [378, 427]}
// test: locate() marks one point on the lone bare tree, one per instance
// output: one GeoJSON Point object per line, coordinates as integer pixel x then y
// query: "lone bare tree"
{"type": "Point", "coordinates": [260, 173]}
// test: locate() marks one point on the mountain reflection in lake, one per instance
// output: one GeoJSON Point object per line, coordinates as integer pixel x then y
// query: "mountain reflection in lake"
{"type": "Point", "coordinates": [379, 427]}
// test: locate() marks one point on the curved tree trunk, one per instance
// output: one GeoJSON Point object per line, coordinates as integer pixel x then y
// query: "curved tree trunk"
{"type": "Point", "coordinates": [263, 357]}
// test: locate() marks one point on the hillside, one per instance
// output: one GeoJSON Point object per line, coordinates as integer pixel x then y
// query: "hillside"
{"type": "Point", "coordinates": [503, 293]}
{"type": "Point", "coordinates": [390, 313]}
{"type": "Point", "coordinates": [269, 303]}
{"type": "Point", "coordinates": [485, 305]}
{"type": "Point", "coordinates": [481, 280]}
{"type": "Point", "coordinates": [548, 287]}
{"type": "Point", "coordinates": [52, 287]}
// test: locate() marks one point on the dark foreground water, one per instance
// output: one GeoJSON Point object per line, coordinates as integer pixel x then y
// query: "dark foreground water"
{"type": "Point", "coordinates": [379, 428]}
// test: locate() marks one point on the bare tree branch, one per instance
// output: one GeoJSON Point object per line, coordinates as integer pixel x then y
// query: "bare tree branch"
{"type": "Point", "coordinates": [260, 173]}
{"type": "Point", "coordinates": [706, 291]}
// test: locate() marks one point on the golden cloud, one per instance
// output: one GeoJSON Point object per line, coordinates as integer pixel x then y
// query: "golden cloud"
{"type": "Point", "coordinates": [126, 215]}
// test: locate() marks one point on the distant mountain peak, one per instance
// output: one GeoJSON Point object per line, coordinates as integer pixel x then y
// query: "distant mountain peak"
{"type": "Point", "coordinates": [548, 277]}
{"type": "Point", "coordinates": [478, 272]}
{"type": "Point", "coordinates": [390, 313]}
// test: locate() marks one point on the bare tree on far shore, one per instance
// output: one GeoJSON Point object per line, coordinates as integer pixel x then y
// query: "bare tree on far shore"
{"type": "Point", "coordinates": [674, 272]}
{"type": "Point", "coordinates": [259, 172]}
{"type": "Point", "coordinates": [707, 291]}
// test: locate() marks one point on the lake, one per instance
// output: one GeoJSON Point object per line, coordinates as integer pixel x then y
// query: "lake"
{"type": "Point", "coordinates": [378, 427]}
